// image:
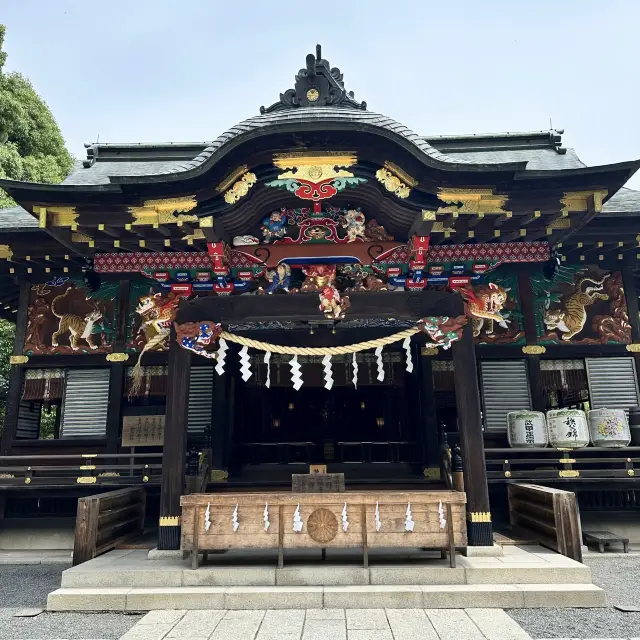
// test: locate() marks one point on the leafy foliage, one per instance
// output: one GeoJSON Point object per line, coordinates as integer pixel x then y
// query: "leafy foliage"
{"type": "Point", "coordinates": [31, 144]}
{"type": "Point", "coordinates": [7, 332]}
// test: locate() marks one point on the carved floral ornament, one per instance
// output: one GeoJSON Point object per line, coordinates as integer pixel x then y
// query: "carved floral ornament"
{"type": "Point", "coordinates": [240, 188]}
{"type": "Point", "coordinates": [315, 176]}
{"type": "Point", "coordinates": [394, 180]}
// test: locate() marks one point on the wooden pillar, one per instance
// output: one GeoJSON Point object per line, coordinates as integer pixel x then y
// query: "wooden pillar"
{"type": "Point", "coordinates": [529, 321]}
{"type": "Point", "coordinates": [175, 439]}
{"type": "Point", "coordinates": [219, 423]}
{"type": "Point", "coordinates": [117, 377]}
{"type": "Point", "coordinates": [427, 411]}
{"type": "Point", "coordinates": [470, 426]}
{"type": "Point", "coordinates": [14, 391]}
{"type": "Point", "coordinates": [631, 295]}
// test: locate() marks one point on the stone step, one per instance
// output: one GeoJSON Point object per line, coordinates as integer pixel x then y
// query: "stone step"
{"type": "Point", "coordinates": [89, 575]}
{"type": "Point", "coordinates": [457, 596]}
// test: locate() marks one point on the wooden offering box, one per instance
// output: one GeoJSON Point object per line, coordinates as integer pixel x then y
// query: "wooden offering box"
{"type": "Point", "coordinates": [390, 519]}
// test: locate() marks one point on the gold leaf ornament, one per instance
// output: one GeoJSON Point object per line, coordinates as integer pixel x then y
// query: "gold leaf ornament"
{"type": "Point", "coordinates": [240, 188]}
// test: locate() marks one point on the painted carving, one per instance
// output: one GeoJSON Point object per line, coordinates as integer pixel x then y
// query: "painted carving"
{"type": "Point", "coordinates": [354, 225]}
{"type": "Point", "coordinates": [332, 304]}
{"type": "Point", "coordinates": [199, 337]}
{"type": "Point", "coordinates": [484, 304]}
{"type": "Point", "coordinates": [582, 305]}
{"type": "Point", "coordinates": [64, 317]}
{"type": "Point", "coordinates": [442, 330]}
{"type": "Point", "coordinates": [318, 276]}
{"type": "Point", "coordinates": [360, 279]}
{"type": "Point", "coordinates": [572, 316]}
{"type": "Point", "coordinates": [156, 312]}
{"type": "Point", "coordinates": [274, 226]}
{"type": "Point", "coordinates": [77, 327]}
{"type": "Point", "coordinates": [244, 241]}
{"type": "Point", "coordinates": [331, 224]}
{"type": "Point", "coordinates": [280, 279]}
{"type": "Point", "coordinates": [315, 178]}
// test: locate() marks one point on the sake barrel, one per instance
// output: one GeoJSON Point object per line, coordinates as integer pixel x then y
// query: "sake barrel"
{"type": "Point", "coordinates": [527, 429]}
{"type": "Point", "coordinates": [609, 427]}
{"type": "Point", "coordinates": [567, 428]}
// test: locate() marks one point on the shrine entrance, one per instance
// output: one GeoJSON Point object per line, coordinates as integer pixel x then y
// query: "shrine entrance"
{"type": "Point", "coordinates": [366, 430]}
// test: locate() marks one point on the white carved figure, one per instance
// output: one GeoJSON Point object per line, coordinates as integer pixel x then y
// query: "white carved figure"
{"type": "Point", "coordinates": [408, 521]}
{"type": "Point", "coordinates": [377, 518]}
{"type": "Point", "coordinates": [244, 241]}
{"type": "Point", "coordinates": [267, 524]}
{"type": "Point", "coordinates": [443, 520]}
{"type": "Point", "coordinates": [207, 517]}
{"type": "Point", "coordinates": [297, 520]}
{"type": "Point", "coordinates": [234, 519]}
{"type": "Point", "coordinates": [345, 522]}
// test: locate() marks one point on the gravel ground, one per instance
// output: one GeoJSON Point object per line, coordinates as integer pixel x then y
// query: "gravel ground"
{"type": "Point", "coordinates": [620, 578]}
{"type": "Point", "coordinates": [23, 586]}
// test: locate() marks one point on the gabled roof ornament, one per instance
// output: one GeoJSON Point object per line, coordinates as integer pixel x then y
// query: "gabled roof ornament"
{"type": "Point", "coordinates": [317, 85]}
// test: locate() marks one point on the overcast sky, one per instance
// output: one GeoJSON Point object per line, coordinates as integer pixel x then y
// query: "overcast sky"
{"type": "Point", "coordinates": [186, 70]}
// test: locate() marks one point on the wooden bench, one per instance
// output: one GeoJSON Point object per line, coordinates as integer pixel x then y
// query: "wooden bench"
{"type": "Point", "coordinates": [604, 539]}
{"type": "Point", "coordinates": [373, 520]}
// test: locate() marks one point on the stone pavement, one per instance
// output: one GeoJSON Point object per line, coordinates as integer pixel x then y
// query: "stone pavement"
{"type": "Point", "coordinates": [329, 624]}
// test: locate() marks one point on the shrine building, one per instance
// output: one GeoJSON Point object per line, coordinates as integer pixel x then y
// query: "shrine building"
{"type": "Point", "coordinates": [319, 288]}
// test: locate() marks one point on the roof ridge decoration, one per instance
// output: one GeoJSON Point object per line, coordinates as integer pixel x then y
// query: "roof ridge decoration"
{"type": "Point", "coordinates": [317, 85]}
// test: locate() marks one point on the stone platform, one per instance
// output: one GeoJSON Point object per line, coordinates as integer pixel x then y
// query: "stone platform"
{"type": "Point", "coordinates": [128, 580]}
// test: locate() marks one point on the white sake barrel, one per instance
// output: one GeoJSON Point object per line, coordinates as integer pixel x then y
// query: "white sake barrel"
{"type": "Point", "coordinates": [527, 429]}
{"type": "Point", "coordinates": [609, 428]}
{"type": "Point", "coordinates": [567, 428]}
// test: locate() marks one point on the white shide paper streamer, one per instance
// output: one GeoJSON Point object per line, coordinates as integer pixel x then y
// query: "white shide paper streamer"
{"type": "Point", "coordinates": [408, 521]}
{"type": "Point", "coordinates": [267, 361]}
{"type": "Point", "coordinates": [328, 373]}
{"type": "Point", "coordinates": [378, 353]}
{"type": "Point", "coordinates": [406, 344]}
{"type": "Point", "coordinates": [222, 354]}
{"type": "Point", "coordinates": [234, 519]}
{"type": "Point", "coordinates": [297, 520]}
{"type": "Point", "coordinates": [207, 517]}
{"type": "Point", "coordinates": [245, 363]}
{"type": "Point", "coordinates": [296, 375]}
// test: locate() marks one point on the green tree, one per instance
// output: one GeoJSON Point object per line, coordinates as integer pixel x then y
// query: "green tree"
{"type": "Point", "coordinates": [31, 144]}
{"type": "Point", "coordinates": [7, 331]}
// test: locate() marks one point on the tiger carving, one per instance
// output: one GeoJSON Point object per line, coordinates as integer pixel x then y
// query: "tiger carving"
{"type": "Point", "coordinates": [484, 304]}
{"type": "Point", "coordinates": [571, 319]}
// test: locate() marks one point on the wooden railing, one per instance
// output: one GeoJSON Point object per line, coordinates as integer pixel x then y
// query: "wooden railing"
{"type": "Point", "coordinates": [586, 464]}
{"type": "Point", "coordinates": [550, 515]}
{"type": "Point", "coordinates": [89, 468]}
{"type": "Point", "coordinates": [107, 519]}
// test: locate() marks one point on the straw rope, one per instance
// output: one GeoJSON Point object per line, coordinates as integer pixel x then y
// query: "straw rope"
{"type": "Point", "coordinates": [319, 351]}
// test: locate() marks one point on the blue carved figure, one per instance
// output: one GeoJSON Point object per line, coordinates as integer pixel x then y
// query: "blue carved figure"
{"type": "Point", "coordinates": [274, 226]}
{"type": "Point", "coordinates": [279, 279]}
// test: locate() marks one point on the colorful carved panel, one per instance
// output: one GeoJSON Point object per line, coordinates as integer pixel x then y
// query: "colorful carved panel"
{"type": "Point", "coordinates": [581, 305]}
{"type": "Point", "coordinates": [150, 317]}
{"type": "Point", "coordinates": [304, 225]}
{"type": "Point", "coordinates": [494, 308]}
{"type": "Point", "coordinates": [65, 317]}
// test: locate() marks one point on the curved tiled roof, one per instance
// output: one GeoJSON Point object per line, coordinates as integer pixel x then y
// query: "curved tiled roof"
{"type": "Point", "coordinates": [304, 115]}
